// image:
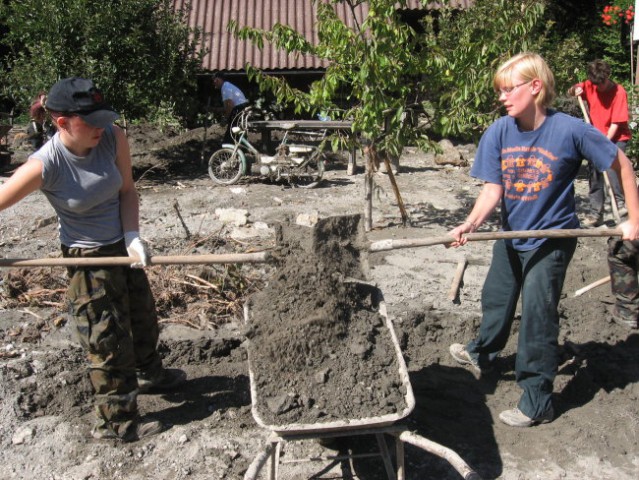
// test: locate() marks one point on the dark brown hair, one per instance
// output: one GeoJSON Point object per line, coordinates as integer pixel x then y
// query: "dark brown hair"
{"type": "Point", "coordinates": [598, 71]}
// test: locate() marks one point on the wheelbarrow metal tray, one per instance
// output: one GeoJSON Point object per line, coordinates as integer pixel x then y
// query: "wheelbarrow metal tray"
{"type": "Point", "coordinates": [339, 424]}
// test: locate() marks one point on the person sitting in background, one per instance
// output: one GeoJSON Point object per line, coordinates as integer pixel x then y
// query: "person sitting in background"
{"type": "Point", "coordinates": [233, 102]}
{"type": "Point", "coordinates": [39, 129]}
{"type": "Point", "coordinates": [608, 107]}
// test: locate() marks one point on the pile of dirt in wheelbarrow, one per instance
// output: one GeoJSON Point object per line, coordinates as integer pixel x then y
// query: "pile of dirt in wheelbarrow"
{"type": "Point", "coordinates": [320, 350]}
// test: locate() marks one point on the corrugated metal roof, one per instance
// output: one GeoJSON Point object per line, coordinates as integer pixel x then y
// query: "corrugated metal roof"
{"type": "Point", "coordinates": [227, 53]}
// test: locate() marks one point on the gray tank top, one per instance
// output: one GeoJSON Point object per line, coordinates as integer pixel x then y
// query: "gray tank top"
{"type": "Point", "coordinates": [84, 191]}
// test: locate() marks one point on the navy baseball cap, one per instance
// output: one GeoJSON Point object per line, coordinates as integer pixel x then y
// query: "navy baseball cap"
{"type": "Point", "coordinates": [81, 97]}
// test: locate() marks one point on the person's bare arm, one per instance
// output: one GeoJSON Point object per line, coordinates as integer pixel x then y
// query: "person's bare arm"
{"type": "Point", "coordinates": [626, 174]}
{"type": "Point", "coordinates": [612, 130]}
{"type": "Point", "coordinates": [26, 179]}
{"type": "Point", "coordinates": [129, 204]}
{"type": "Point", "coordinates": [129, 201]}
{"type": "Point", "coordinates": [486, 202]}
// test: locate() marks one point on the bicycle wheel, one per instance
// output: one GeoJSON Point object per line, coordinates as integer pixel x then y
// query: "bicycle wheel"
{"type": "Point", "coordinates": [226, 166]}
{"type": "Point", "coordinates": [309, 174]}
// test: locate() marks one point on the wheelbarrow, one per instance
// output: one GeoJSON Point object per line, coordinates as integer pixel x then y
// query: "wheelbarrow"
{"type": "Point", "coordinates": [347, 426]}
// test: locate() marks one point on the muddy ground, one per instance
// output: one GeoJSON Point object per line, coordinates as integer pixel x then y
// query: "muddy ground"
{"type": "Point", "coordinates": [45, 409]}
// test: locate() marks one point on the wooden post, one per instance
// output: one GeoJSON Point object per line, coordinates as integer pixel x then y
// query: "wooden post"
{"type": "Point", "coordinates": [351, 168]}
{"type": "Point", "coordinates": [368, 195]}
{"type": "Point", "coordinates": [457, 279]}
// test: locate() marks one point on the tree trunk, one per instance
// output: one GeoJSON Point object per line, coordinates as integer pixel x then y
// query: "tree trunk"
{"type": "Point", "coordinates": [368, 191]}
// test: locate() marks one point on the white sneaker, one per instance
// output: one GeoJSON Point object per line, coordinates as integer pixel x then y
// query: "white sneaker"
{"type": "Point", "coordinates": [461, 355]}
{"type": "Point", "coordinates": [515, 418]}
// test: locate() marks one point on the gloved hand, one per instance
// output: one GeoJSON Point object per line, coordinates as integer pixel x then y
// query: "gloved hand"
{"type": "Point", "coordinates": [136, 249]}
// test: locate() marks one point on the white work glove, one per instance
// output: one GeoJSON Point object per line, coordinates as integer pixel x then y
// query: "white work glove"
{"type": "Point", "coordinates": [136, 249]}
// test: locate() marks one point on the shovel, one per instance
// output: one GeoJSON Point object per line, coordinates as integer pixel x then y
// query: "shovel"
{"type": "Point", "coordinates": [257, 257]}
{"type": "Point", "coordinates": [390, 244]}
{"type": "Point", "coordinates": [266, 256]}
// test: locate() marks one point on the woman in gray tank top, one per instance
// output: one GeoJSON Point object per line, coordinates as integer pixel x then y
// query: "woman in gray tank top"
{"type": "Point", "coordinates": [85, 173]}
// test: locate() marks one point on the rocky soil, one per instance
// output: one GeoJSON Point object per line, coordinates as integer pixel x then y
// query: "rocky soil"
{"type": "Point", "coordinates": [45, 397]}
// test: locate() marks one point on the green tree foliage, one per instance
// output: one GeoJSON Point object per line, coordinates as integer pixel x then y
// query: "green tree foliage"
{"type": "Point", "coordinates": [611, 33]}
{"type": "Point", "coordinates": [589, 32]}
{"type": "Point", "coordinates": [609, 38]}
{"type": "Point", "coordinates": [464, 49]}
{"type": "Point", "coordinates": [140, 52]}
{"type": "Point", "coordinates": [370, 61]}
{"type": "Point", "coordinates": [384, 64]}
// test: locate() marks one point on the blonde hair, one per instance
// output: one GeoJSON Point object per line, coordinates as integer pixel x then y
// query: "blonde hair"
{"type": "Point", "coordinates": [529, 66]}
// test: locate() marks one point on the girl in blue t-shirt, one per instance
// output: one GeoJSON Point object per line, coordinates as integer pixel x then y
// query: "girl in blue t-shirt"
{"type": "Point", "coordinates": [528, 161]}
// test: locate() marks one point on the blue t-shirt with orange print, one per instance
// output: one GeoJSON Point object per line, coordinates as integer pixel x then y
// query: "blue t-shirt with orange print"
{"type": "Point", "coordinates": [537, 170]}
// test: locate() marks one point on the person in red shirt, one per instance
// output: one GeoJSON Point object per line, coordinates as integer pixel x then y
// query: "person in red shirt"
{"type": "Point", "coordinates": [608, 106]}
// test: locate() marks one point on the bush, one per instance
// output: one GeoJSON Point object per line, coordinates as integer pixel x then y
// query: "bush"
{"type": "Point", "coordinates": [139, 52]}
{"type": "Point", "coordinates": [463, 51]}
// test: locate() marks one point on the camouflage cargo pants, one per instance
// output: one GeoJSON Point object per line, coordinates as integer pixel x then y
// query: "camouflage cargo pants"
{"type": "Point", "coordinates": [114, 314]}
{"type": "Point", "coordinates": [623, 263]}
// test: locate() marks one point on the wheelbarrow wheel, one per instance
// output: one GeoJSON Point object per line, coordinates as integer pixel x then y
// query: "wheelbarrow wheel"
{"type": "Point", "coordinates": [309, 174]}
{"type": "Point", "coordinates": [226, 166]}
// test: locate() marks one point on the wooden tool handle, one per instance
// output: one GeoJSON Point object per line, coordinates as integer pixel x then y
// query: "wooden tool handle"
{"type": "Point", "coordinates": [258, 257]}
{"type": "Point", "coordinates": [584, 112]}
{"type": "Point", "coordinates": [389, 244]}
{"type": "Point", "coordinates": [598, 283]}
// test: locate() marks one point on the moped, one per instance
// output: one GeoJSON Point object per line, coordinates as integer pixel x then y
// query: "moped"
{"type": "Point", "coordinates": [300, 165]}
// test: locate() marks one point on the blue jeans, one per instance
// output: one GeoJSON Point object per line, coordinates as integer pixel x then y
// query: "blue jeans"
{"type": "Point", "coordinates": [538, 276]}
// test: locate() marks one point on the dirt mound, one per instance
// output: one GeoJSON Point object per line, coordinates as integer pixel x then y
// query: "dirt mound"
{"type": "Point", "coordinates": [320, 349]}
{"type": "Point", "coordinates": [49, 383]}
